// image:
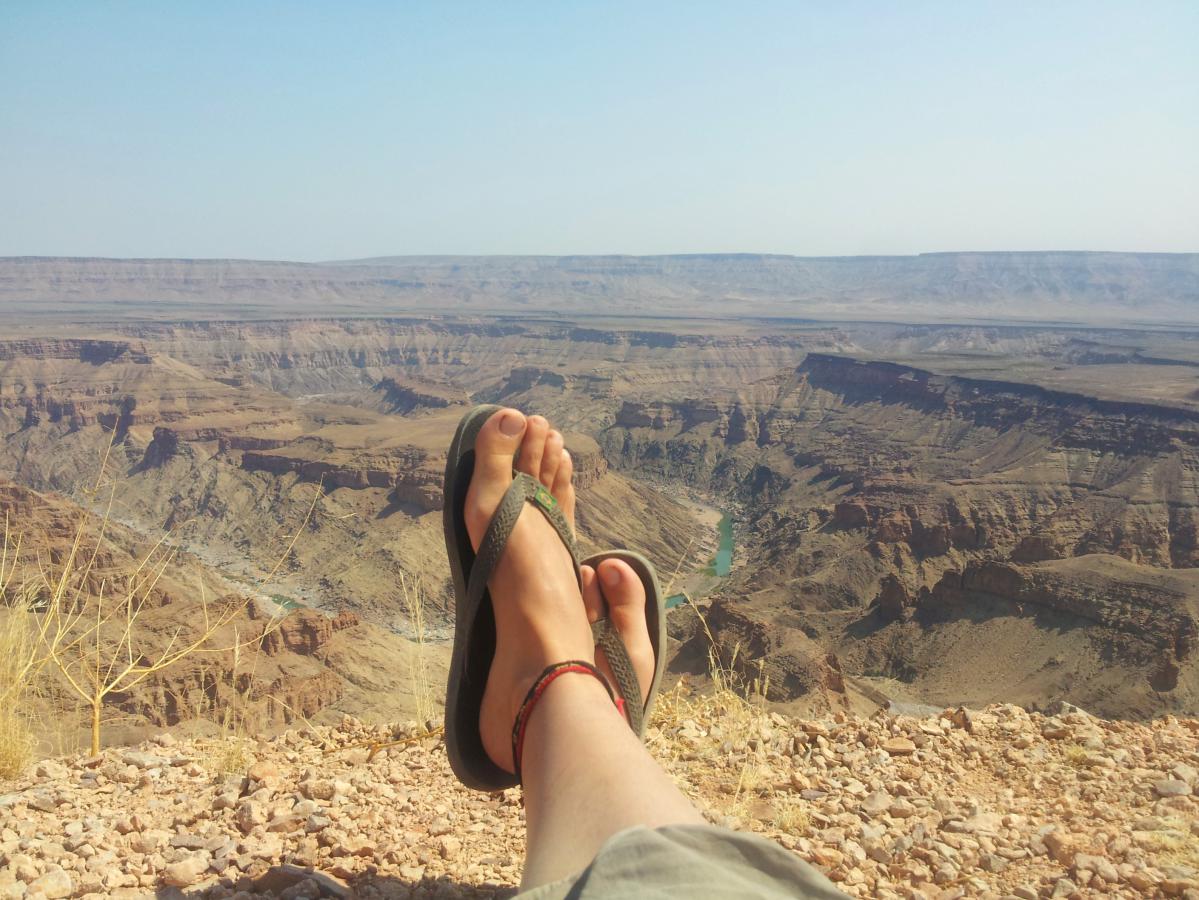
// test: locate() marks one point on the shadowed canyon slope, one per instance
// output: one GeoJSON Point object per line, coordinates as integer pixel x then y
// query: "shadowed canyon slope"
{"type": "Point", "coordinates": [304, 666]}
{"type": "Point", "coordinates": [1065, 286]}
{"type": "Point", "coordinates": [935, 514]}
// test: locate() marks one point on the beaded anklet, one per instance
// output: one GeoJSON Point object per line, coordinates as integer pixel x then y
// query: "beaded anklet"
{"type": "Point", "coordinates": [543, 681]}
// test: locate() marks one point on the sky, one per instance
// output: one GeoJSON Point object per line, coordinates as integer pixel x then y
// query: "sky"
{"type": "Point", "coordinates": [315, 131]}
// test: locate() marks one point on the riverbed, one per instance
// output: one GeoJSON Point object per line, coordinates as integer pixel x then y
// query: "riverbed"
{"type": "Point", "coordinates": [715, 552]}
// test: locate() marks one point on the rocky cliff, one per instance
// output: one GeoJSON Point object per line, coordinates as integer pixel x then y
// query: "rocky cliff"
{"type": "Point", "coordinates": [855, 481]}
{"type": "Point", "coordinates": [287, 665]}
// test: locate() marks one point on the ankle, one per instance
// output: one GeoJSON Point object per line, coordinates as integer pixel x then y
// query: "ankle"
{"type": "Point", "coordinates": [591, 689]}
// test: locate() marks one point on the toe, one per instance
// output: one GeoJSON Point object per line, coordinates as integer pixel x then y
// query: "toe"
{"type": "Point", "coordinates": [495, 446]}
{"type": "Point", "coordinates": [551, 459]}
{"type": "Point", "coordinates": [532, 448]}
{"type": "Point", "coordinates": [593, 599]}
{"type": "Point", "coordinates": [562, 488]}
{"type": "Point", "coordinates": [625, 597]}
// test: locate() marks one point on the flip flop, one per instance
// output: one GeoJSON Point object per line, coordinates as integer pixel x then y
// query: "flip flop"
{"type": "Point", "coordinates": [474, 619]}
{"type": "Point", "coordinates": [607, 638]}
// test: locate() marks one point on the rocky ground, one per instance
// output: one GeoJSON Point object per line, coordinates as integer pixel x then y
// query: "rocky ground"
{"type": "Point", "coordinates": [990, 803]}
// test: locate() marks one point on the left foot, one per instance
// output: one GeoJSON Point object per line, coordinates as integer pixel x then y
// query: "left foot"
{"type": "Point", "coordinates": [539, 615]}
{"type": "Point", "coordinates": [617, 592]}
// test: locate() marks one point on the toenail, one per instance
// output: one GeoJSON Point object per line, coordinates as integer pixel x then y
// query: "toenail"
{"type": "Point", "coordinates": [611, 576]}
{"type": "Point", "coordinates": [511, 424]}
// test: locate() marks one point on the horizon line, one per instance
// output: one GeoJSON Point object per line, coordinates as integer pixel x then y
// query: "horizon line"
{"type": "Point", "coordinates": [366, 260]}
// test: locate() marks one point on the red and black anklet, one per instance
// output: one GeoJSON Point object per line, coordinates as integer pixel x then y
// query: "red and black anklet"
{"type": "Point", "coordinates": [543, 681]}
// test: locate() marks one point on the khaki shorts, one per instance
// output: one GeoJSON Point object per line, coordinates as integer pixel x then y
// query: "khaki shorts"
{"type": "Point", "coordinates": [690, 861]}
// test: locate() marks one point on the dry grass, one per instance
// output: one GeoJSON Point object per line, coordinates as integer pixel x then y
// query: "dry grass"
{"type": "Point", "coordinates": [418, 674]}
{"type": "Point", "coordinates": [1075, 755]}
{"type": "Point", "coordinates": [792, 819]}
{"type": "Point", "coordinates": [20, 662]}
{"type": "Point", "coordinates": [231, 755]}
{"type": "Point", "coordinates": [1176, 845]}
{"type": "Point", "coordinates": [729, 713]}
{"type": "Point", "coordinates": [16, 743]}
{"type": "Point", "coordinates": [54, 620]}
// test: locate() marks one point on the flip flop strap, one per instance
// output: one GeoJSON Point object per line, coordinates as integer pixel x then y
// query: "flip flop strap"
{"type": "Point", "coordinates": [524, 489]}
{"type": "Point", "coordinates": [627, 684]}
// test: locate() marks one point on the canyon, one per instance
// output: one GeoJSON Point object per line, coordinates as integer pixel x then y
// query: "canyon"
{"type": "Point", "coordinates": [924, 513]}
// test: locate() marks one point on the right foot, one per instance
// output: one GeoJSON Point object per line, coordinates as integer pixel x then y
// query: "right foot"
{"type": "Point", "coordinates": [540, 618]}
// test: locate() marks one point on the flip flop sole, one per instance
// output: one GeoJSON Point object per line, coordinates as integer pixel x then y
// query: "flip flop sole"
{"type": "Point", "coordinates": [474, 628]}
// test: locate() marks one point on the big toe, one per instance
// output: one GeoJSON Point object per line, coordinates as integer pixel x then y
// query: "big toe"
{"type": "Point", "coordinates": [624, 596]}
{"type": "Point", "coordinates": [495, 446]}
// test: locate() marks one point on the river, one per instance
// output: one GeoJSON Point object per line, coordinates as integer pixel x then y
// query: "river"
{"type": "Point", "coordinates": [719, 565]}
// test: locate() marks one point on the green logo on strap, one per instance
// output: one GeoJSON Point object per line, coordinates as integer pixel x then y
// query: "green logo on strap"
{"type": "Point", "coordinates": [544, 499]}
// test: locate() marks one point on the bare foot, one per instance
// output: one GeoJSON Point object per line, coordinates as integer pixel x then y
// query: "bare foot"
{"type": "Point", "coordinates": [539, 614]}
{"type": "Point", "coordinates": [617, 592]}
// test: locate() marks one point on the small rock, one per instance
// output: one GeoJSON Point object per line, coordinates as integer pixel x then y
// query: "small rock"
{"type": "Point", "coordinates": [148, 841]}
{"type": "Point", "coordinates": [186, 871]}
{"type": "Point", "coordinates": [826, 857]}
{"type": "Point", "coordinates": [250, 813]}
{"type": "Point", "coordinates": [49, 768]}
{"type": "Point", "coordinates": [1086, 862]}
{"type": "Point", "coordinates": [22, 867]}
{"type": "Point", "coordinates": [1055, 730]}
{"type": "Point", "coordinates": [1171, 787]}
{"type": "Point", "coordinates": [279, 878]}
{"type": "Point", "coordinates": [1179, 887]}
{"type": "Point", "coordinates": [1064, 888]}
{"type": "Point", "coordinates": [1061, 846]}
{"type": "Point", "coordinates": [227, 800]}
{"type": "Point", "coordinates": [993, 863]}
{"type": "Point", "coordinates": [263, 770]}
{"type": "Point", "coordinates": [899, 746]}
{"type": "Point", "coordinates": [945, 874]}
{"type": "Point", "coordinates": [54, 885]}
{"type": "Point", "coordinates": [43, 802]}
{"type": "Point", "coordinates": [1186, 773]}
{"type": "Point", "coordinates": [901, 809]}
{"type": "Point", "coordinates": [144, 760]}
{"type": "Point", "coordinates": [317, 823]}
{"type": "Point", "coordinates": [449, 846]}
{"type": "Point", "coordinates": [315, 789]}
{"type": "Point", "coordinates": [985, 822]}
{"type": "Point", "coordinates": [877, 803]}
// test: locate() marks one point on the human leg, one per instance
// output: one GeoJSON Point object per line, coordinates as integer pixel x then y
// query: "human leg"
{"type": "Point", "coordinates": [586, 775]}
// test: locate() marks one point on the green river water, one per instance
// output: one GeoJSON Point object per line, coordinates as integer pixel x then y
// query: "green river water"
{"type": "Point", "coordinates": [719, 565]}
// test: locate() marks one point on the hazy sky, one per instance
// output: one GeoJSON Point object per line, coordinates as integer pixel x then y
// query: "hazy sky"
{"type": "Point", "coordinates": [305, 130]}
